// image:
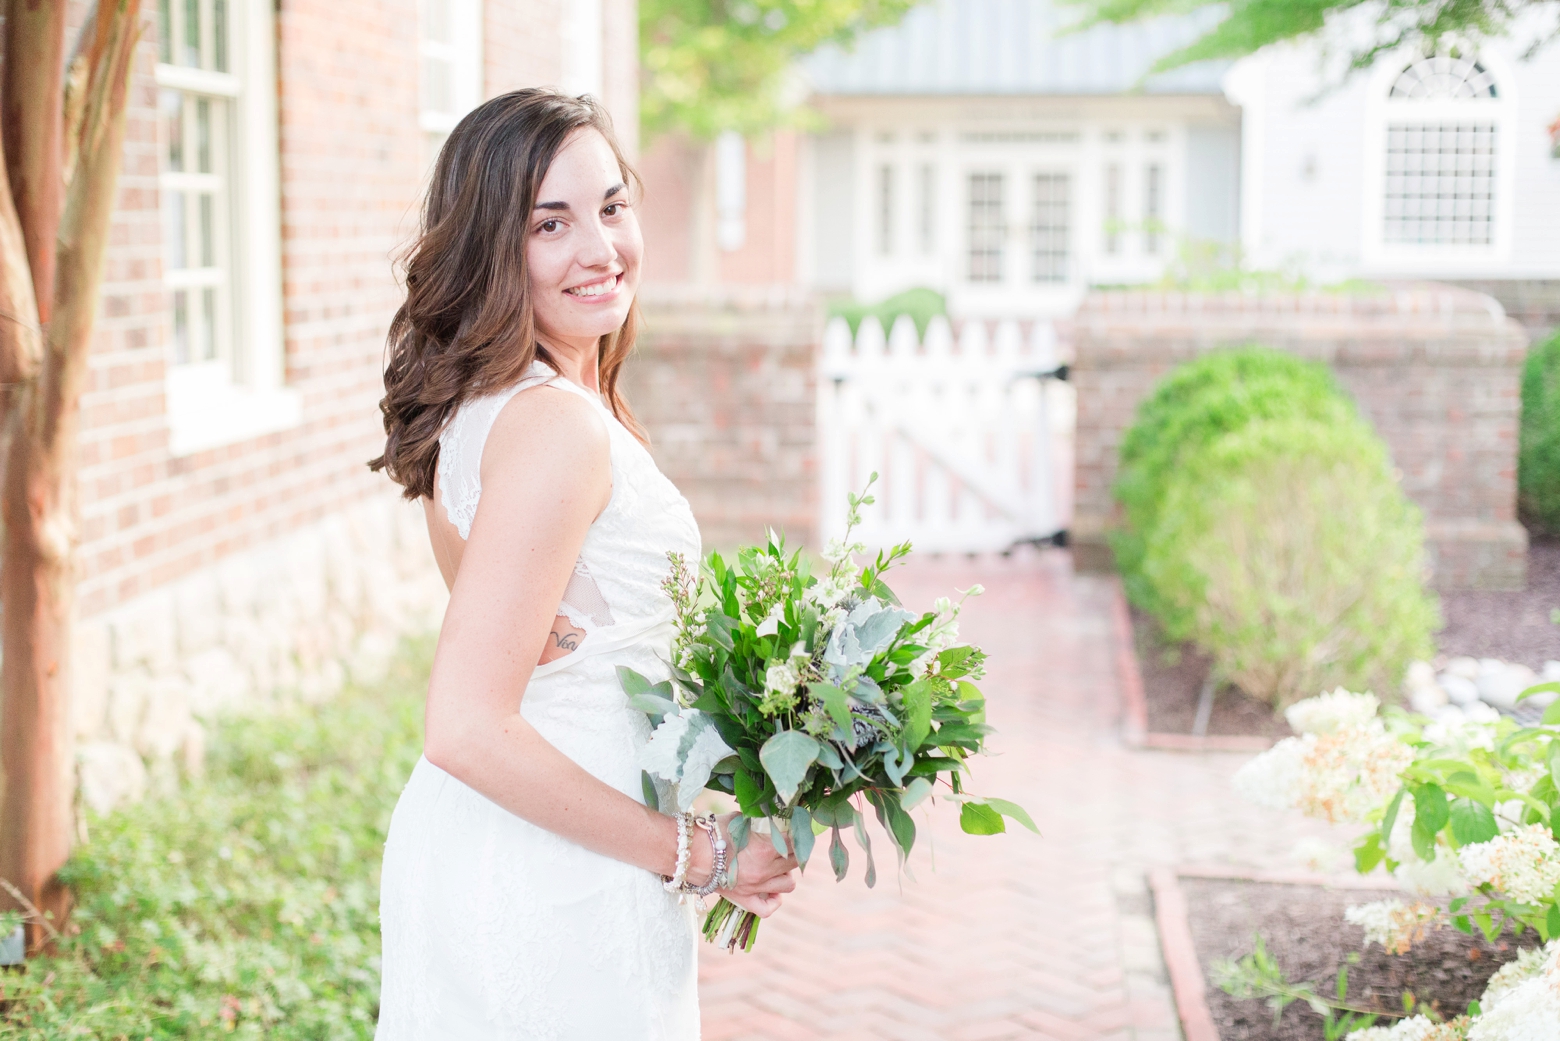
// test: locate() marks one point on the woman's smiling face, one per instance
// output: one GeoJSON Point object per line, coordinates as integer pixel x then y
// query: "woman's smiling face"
{"type": "Point", "coordinates": [585, 247]}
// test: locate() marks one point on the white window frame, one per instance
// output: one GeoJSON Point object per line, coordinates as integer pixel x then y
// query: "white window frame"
{"type": "Point", "coordinates": [464, 52]}
{"type": "Point", "coordinates": [220, 403]}
{"type": "Point", "coordinates": [1382, 111]}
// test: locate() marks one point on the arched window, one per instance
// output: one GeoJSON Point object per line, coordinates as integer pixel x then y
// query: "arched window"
{"type": "Point", "coordinates": [1443, 123]}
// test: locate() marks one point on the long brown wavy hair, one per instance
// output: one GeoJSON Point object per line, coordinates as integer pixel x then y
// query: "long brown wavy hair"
{"type": "Point", "coordinates": [467, 326]}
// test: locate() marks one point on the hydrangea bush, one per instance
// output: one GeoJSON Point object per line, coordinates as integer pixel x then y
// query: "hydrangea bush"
{"type": "Point", "coordinates": [1464, 812]}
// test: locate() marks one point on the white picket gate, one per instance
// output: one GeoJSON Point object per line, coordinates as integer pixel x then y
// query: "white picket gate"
{"type": "Point", "coordinates": [959, 433]}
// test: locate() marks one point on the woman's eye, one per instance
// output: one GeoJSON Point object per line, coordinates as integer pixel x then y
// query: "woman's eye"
{"type": "Point", "coordinates": [549, 226]}
{"type": "Point", "coordinates": [614, 209]}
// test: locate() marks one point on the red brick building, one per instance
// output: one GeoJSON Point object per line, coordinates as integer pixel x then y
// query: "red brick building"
{"type": "Point", "coordinates": [232, 540]}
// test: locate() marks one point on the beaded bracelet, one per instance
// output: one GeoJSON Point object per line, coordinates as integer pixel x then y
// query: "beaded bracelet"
{"type": "Point", "coordinates": [676, 882]}
{"type": "Point", "coordinates": [711, 827]}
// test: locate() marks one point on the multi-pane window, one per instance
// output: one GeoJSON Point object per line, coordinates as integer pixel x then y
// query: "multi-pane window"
{"type": "Point", "coordinates": [1048, 226]}
{"type": "Point", "coordinates": [885, 209]}
{"type": "Point", "coordinates": [1153, 207]}
{"type": "Point", "coordinates": [196, 123]}
{"type": "Point", "coordinates": [987, 229]}
{"type": "Point", "coordinates": [450, 65]}
{"type": "Point", "coordinates": [1113, 208]}
{"type": "Point", "coordinates": [1442, 142]}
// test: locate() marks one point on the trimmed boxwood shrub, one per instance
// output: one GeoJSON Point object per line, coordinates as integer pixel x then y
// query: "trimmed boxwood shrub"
{"type": "Point", "coordinates": [1194, 405]}
{"type": "Point", "coordinates": [1538, 460]}
{"type": "Point", "coordinates": [1294, 559]}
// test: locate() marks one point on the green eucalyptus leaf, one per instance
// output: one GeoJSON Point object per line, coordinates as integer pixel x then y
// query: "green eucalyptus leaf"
{"type": "Point", "coordinates": [835, 701]}
{"type": "Point", "coordinates": [740, 829]}
{"type": "Point", "coordinates": [917, 790]}
{"type": "Point", "coordinates": [786, 758]}
{"type": "Point", "coordinates": [777, 838]}
{"type": "Point", "coordinates": [865, 842]}
{"type": "Point", "coordinates": [802, 836]}
{"type": "Point", "coordinates": [976, 818]}
{"type": "Point", "coordinates": [917, 701]}
{"type": "Point", "coordinates": [839, 859]}
{"type": "Point", "coordinates": [1014, 810]}
{"type": "Point", "coordinates": [652, 800]}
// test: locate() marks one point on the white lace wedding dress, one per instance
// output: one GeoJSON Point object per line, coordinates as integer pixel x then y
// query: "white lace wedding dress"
{"type": "Point", "coordinates": [494, 928]}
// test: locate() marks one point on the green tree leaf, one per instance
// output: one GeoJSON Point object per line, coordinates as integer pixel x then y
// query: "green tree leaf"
{"type": "Point", "coordinates": [835, 701]}
{"type": "Point", "coordinates": [786, 758]}
{"type": "Point", "coordinates": [1472, 822]}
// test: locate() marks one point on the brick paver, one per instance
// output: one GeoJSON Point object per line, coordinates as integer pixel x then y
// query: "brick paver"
{"type": "Point", "coordinates": [1011, 936]}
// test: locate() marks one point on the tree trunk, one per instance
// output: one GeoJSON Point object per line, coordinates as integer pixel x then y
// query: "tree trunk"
{"type": "Point", "coordinates": [33, 128]}
{"type": "Point", "coordinates": [37, 498]}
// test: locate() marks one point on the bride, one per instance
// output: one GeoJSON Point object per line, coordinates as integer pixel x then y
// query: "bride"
{"type": "Point", "coordinates": [528, 892]}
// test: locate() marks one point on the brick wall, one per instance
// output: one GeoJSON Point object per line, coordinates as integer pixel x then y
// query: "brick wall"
{"type": "Point", "coordinates": [1434, 368]}
{"type": "Point", "coordinates": [725, 383]}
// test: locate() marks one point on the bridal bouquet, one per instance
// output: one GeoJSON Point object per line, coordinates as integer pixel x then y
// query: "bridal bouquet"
{"type": "Point", "coordinates": [809, 698]}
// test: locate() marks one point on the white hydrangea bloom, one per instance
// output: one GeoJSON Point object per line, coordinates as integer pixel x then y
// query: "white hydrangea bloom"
{"type": "Point", "coordinates": [1393, 924]}
{"type": "Point", "coordinates": [1326, 713]}
{"type": "Point", "coordinates": [1414, 1028]}
{"type": "Point", "coordinates": [1441, 877]}
{"type": "Point", "coordinates": [1462, 728]}
{"type": "Point", "coordinates": [1523, 864]}
{"type": "Point", "coordinates": [1528, 964]}
{"type": "Point", "coordinates": [1526, 1011]}
{"type": "Point", "coordinates": [1341, 776]}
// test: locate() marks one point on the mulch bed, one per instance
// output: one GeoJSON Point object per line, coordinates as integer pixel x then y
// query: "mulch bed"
{"type": "Point", "coordinates": [1306, 934]}
{"type": "Point", "coordinates": [1512, 626]}
{"type": "Point", "coordinates": [1173, 678]}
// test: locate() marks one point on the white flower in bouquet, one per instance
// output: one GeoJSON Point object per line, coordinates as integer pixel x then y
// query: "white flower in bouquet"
{"type": "Point", "coordinates": [1393, 924]}
{"type": "Point", "coordinates": [1524, 1005]}
{"type": "Point", "coordinates": [1326, 713]}
{"type": "Point", "coordinates": [1524, 863]}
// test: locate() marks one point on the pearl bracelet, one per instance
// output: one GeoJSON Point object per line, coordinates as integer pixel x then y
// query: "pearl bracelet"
{"type": "Point", "coordinates": [676, 882]}
{"type": "Point", "coordinates": [717, 878]}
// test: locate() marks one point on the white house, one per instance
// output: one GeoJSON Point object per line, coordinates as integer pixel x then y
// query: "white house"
{"type": "Point", "coordinates": [980, 149]}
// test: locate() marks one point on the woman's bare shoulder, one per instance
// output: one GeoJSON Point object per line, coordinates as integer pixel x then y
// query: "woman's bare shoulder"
{"type": "Point", "coordinates": [549, 431]}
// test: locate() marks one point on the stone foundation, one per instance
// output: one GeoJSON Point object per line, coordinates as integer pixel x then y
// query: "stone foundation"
{"type": "Point", "coordinates": [289, 620]}
{"type": "Point", "coordinates": [1435, 369]}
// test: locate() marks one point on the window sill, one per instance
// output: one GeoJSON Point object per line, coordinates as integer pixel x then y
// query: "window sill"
{"type": "Point", "coordinates": [208, 412]}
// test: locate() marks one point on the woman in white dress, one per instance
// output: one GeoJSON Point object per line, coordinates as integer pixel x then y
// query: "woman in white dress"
{"type": "Point", "coordinates": [524, 892]}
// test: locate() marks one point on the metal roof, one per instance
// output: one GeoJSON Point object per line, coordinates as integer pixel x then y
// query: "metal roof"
{"type": "Point", "coordinates": [1012, 47]}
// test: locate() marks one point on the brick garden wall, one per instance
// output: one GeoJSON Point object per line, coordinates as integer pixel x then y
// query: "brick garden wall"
{"type": "Point", "coordinates": [1434, 368]}
{"type": "Point", "coordinates": [725, 383]}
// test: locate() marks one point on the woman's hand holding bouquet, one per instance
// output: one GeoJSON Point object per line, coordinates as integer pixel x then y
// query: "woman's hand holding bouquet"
{"type": "Point", "coordinates": [807, 699]}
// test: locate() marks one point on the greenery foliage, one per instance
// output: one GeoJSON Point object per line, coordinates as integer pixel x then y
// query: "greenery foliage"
{"type": "Point", "coordinates": [1263, 522]}
{"type": "Point", "coordinates": [1249, 25]}
{"type": "Point", "coordinates": [922, 305]}
{"type": "Point", "coordinates": [1538, 459]}
{"type": "Point", "coordinates": [1192, 407]}
{"type": "Point", "coordinates": [1296, 558]}
{"type": "Point", "coordinates": [709, 66]}
{"type": "Point", "coordinates": [246, 902]}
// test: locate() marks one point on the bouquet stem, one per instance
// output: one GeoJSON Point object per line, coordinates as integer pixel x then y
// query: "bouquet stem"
{"type": "Point", "coordinates": [729, 926]}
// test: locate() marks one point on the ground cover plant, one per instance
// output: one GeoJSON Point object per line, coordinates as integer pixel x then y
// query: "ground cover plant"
{"type": "Point", "coordinates": [1264, 523]}
{"type": "Point", "coordinates": [245, 903]}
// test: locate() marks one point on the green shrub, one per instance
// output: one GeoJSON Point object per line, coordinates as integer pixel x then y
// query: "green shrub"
{"type": "Point", "coordinates": [1538, 460]}
{"type": "Point", "coordinates": [922, 305]}
{"type": "Point", "coordinates": [246, 903]}
{"type": "Point", "coordinates": [1193, 406]}
{"type": "Point", "coordinates": [1296, 558]}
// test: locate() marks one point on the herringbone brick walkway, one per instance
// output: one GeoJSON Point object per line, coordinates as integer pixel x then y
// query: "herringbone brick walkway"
{"type": "Point", "coordinates": [1010, 936]}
